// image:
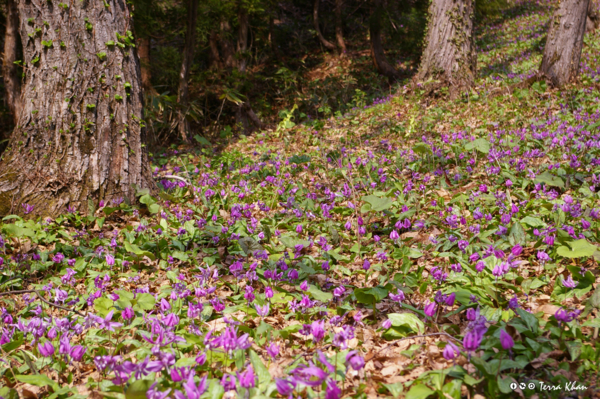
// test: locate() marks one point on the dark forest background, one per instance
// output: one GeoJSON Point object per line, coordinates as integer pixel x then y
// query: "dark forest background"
{"type": "Point", "coordinates": [254, 62]}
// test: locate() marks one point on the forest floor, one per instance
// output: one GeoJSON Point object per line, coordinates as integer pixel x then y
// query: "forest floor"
{"type": "Point", "coordinates": [415, 247]}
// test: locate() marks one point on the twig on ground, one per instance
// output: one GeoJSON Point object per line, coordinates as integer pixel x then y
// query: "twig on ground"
{"type": "Point", "coordinates": [176, 178]}
{"type": "Point", "coordinates": [17, 292]}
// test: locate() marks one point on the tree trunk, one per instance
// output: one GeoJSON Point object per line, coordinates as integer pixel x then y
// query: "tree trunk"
{"type": "Point", "coordinates": [449, 57]}
{"type": "Point", "coordinates": [244, 114]}
{"type": "Point", "coordinates": [326, 43]}
{"type": "Point", "coordinates": [377, 53]}
{"type": "Point", "coordinates": [593, 17]}
{"type": "Point", "coordinates": [227, 49]}
{"type": "Point", "coordinates": [242, 41]}
{"type": "Point", "coordinates": [272, 42]}
{"type": "Point", "coordinates": [144, 54]}
{"type": "Point", "coordinates": [339, 33]}
{"type": "Point", "coordinates": [213, 46]}
{"type": "Point", "coordinates": [10, 71]}
{"type": "Point", "coordinates": [564, 43]}
{"type": "Point", "coordinates": [80, 132]}
{"type": "Point", "coordinates": [184, 74]}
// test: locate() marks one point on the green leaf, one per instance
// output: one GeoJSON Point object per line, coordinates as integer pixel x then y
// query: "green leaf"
{"type": "Point", "coordinates": [202, 140]}
{"type": "Point", "coordinates": [453, 389]}
{"type": "Point", "coordinates": [369, 295]}
{"type": "Point", "coordinates": [300, 159]}
{"type": "Point", "coordinates": [9, 393]}
{"type": "Point", "coordinates": [13, 344]}
{"type": "Point", "coordinates": [146, 199]}
{"type": "Point", "coordinates": [422, 148]}
{"type": "Point", "coordinates": [287, 331]}
{"type": "Point", "coordinates": [414, 253]}
{"type": "Point", "coordinates": [249, 245]}
{"type": "Point", "coordinates": [264, 377]}
{"type": "Point", "coordinates": [103, 305]}
{"type": "Point", "coordinates": [530, 320]}
{"type": "Point", "coordinates": [594, 300]}
{"type": "Point", "coordinates": [504, 384]}
{"type": "Point", "coordinates": [574, 348]}
{"type": "Point", "coordinates": [533, 222]}
{"type": "Point", "coordinates": [419, 391]}
{"type": "Point", "coordinates": [138, 389]}
{"type": "Point", "coordinates": [592, 323]}
{"type": "Point", "coordinates": [137, 250]}
{"type": "Point", "coordinates": [550, 180]}
{"type": "Point", "coordinates": [378, 204]}
{"type": "Point", "coordinates": [395, 389]}
{"type": "Point", "coordinates": [291, 242]}
{"type": "Point", "coordinates": [579, 249]}
{"type": "Point", "coordinates": [38, 380]}
{"type": "Point", "coordinates": [407, 319]}
{"type": "Point", "coordinates": [517, 234]}
{"type": "Point", "coordinates": [318, 294]}
{"type": "Point", "coordinates": [481, 145]}
{"type": "Point", "coordinates": [17, 231]}
{"type": "Point", "coordinates": [145, 301]}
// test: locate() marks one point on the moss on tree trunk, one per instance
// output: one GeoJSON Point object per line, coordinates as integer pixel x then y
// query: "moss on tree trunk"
{"type": "Point", "coordinates": [449, 57]}
{"type": "Point", "coordinates": [80, 132]}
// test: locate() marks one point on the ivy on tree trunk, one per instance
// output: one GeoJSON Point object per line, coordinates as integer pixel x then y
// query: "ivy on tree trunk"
{"type": "Point", "coordinates": [80, 132]}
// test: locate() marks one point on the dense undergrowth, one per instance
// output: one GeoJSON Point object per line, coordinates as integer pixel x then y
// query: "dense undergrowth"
{"type": "Point", "coordinates": [414, 247]}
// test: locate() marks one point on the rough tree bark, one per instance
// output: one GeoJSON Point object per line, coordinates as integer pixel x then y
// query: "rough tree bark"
{"type": "Point", "coordinates": [184, 73]}
{"type": "Point", "coordinates": [564, 43]}
{"type": "Point", "coordinates": [339, 33]}
{"type": "Point", "coordinates": [10, 71]}
{"type": "Point", "coordinates": [80, 132]}
{"type": "Point", "coordinates": [326, 43]}
{"type": "Point", "coordinates": [377, 53]}
{"type": "Point", "coordinates": [449, 57]}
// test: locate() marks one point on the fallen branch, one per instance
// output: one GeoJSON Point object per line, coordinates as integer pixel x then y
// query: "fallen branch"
{"type": "Point", "coordinates": [42, 298]}
{"type": "Point", "coordinates": [176, 178]}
